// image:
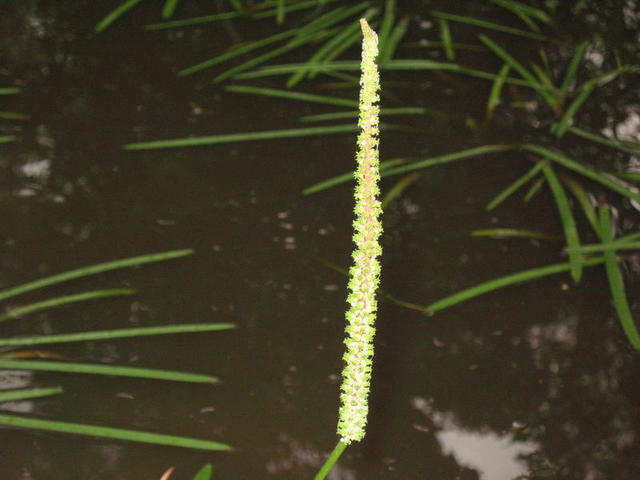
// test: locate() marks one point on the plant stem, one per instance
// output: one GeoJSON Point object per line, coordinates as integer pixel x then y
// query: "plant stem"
{"type": "Point", "coordinates": [331, 461]}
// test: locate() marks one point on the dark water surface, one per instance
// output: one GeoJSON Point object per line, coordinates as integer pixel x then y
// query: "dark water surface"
{"type": "Point", "coordinates": [536, 380]}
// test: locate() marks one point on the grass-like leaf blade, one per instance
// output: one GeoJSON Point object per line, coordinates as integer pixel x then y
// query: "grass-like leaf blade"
{"type": "Point", "coordinates": [28, 393]}
{"type": "Point", "coordinates": [488, 25]}
{"type": "Point", "coordinates": [624, 146]}
{"type": "Point", "coordinates": [616, 284]}
{"type": "Point", "coordinates": [114, 334]}
{"type": "Point", "coordinates": [241, 137]}
{"type": "Point", "coordinates": [92, 270]}
{"type": "Point", "coordinates": [512, 188]}
{"type": "Point", "coordinates": [305, 97]}
{"type": "Point", "coordinates": [398, 188]}
{"type": "Point", "coordinates": [496, 90]}
{"type": "Point", "coordinates": [572, 70]}
{"type": "Point", "coordinates": [582, 196]}
{"type": "Point", "coordinates": [59, 301]}
{"type": "Point", "coordinates": [393, 40]}
{"type": "Point", "coordinates": [111, 370]}
{"type": "Point", "coordinates": [115, 14]}
{"type": "Point", "coordinates": [568, 222]}
{"type": "Point", "coordinates": [187, 22]}
{"type": "Point", "coordinates": [169, 8]}
{"type": "Point", "coordinates": [108, 432]}
{"type": "Point", "coordinates": [611, 183]}
{"type": "Point", "coordinates": [506, 281]}
{"type": "Point", "coordinates": [205, 473]}
{"type": "Point", "coordinates": [512, 233]}
{"type": "Point", "coordinates": [518, 67]}
{"type": "Point", "coordinates": [237, 52]}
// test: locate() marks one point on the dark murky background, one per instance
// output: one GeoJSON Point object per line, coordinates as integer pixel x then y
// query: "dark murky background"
{"type": "Point", "coordinates": [536, 380]}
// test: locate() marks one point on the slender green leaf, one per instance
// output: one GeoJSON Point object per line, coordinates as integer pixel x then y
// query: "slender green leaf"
{"type": "Point", "coordinates": [292, 45]}
{"type": "Point", "coordinates": [331, 18]}
{"type": "Point", "coordinates": [568, 222]}
{"type": "Point", "coordinates": [236, 52]}
{"type": "Point", "coordinates": [572, 70]}
{"type": "Point", "coordinates": [305, 97]}
{"type": "Point", "coordinates": [629, 238]}
{"type": "Point", "coordinates": [113, 334]}
{"type": "Point", "coordinates": [394, 40]}
{"type": "Point", "coordinates": [205, 473]}
{"type": "Point", "coordinates": [496, 90]}
{"type": "Point", "coordinates": [584, 91]}
{"type": "Point", "coordinates": [520, 14]}
{"type": "Point", "coordinates": [237, 5]}
{"type": "Point", "coordinates": [506, 281]}
{"type": "Point", "coordinates": [585, 202]}
{"type": "Point", "coordinates": [14, 116]}
{"type": "Point", "coordinates": [542, 76]}
{"type": "Point", "coordinates": [534, 189]}
{"type": "Point", "coordinates": [115, 14]}
{"type": "Point", "coordinates": [187, 22]}
{"type": "Point", "coordinates": [111, 370]}
{"type": "Point", "coordinates": [445, 36]}
{"type": "Point", "coordinates": [59, 301]}
{"type": "Point", "coordinates": [524, 8]}
{"type": "Point", "coordinates": [450, 157]}
{"type": "Point", "coordinates": [9, 90]}
{"type": "Point", "coordinates": [488, 25]}
{"type": "Point", "coordinates": [281, 11]}
{"type": "Point", "coordinates": [108, 432]}
{"type": "Point", "coordinates": [616, 284]}
{"type": "Point", "coordinates": [398, 188]}
{"type": "Point", "coordinates": [7, 138]}
{"type": "Point", "coordinates": [517, 66]}
{"type": "Point", "coordinates": [631, 176]}
{"type": "Point", "coordinates": [242, 137]}
{"type": "Point", "coordinates": [169, 8]}
{"type": "Point", "coordinates": [393, 65]}
{"type": "Point", "coordinates": [609, 182]}
{"type": "Point", "coordinates": [565, 121]}
{"type": "Point", "coordinates": [334, 48]}
{"type": "Point", "coordinates": [321, 54]}
{"type": "Point", "coordinates": [512, 233]}
{"type": "Point", "coordinates": [92, 270]}
{"type": "Point", "coordinates": [627, 147]}
{"type": "Point", "coordinates": [606, 247]}
{"type": "Point", "coordinates": [28, 393]}
{"type": "Point", "coordinates": [388, 19]}
{"type": "Point", "coordinates": [453, 67]}
{"type": "Point", "coordinates": [294, 7]}
{"type": "Point", "coordinates": [512, 188]}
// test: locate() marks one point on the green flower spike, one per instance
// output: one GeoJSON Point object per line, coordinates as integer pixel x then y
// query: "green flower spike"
{"type": "Point", "coordinates": [366, 268]}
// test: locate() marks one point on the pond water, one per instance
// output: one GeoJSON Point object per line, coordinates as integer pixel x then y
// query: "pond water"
{"type": "Point", "coordinates": [536, 381]}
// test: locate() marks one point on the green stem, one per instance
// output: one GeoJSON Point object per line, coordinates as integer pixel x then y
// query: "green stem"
{"type": "Point", "coordinates": [331, 461]}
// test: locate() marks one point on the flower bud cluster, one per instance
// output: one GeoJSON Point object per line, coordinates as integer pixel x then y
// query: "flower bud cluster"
{"type": "Point", "coordinates": [365, 271]}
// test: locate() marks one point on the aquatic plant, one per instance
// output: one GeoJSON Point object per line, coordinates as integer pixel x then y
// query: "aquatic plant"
{"type": "Point", "coordinates": [37, 360]}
